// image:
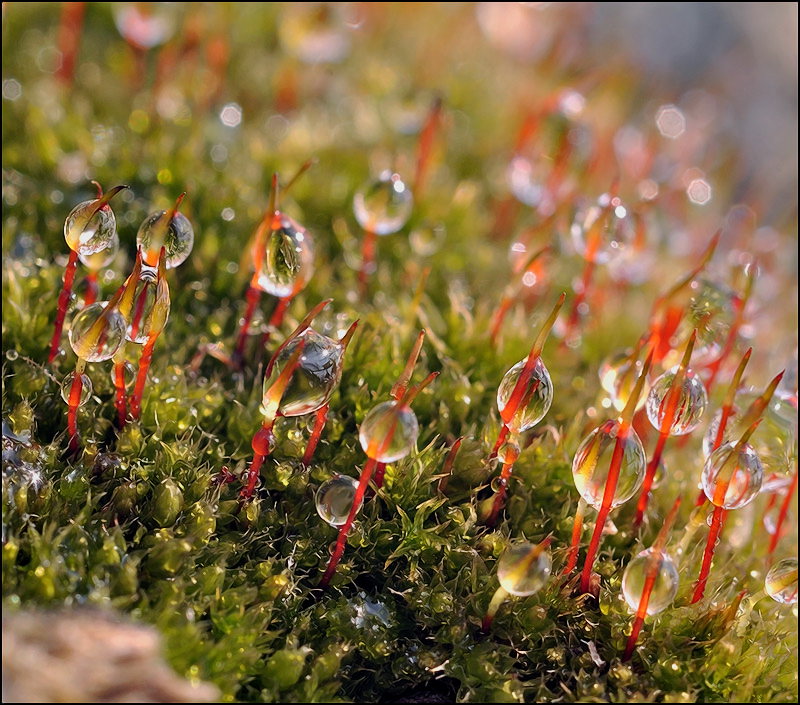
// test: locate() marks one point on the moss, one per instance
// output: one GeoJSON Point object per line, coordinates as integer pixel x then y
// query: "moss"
{"type": "Point", "coordinates": [141, 522]}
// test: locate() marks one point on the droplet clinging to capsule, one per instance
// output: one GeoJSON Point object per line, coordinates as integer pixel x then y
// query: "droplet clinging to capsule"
{"type": "Point", "coordinates": [89, 229]}
{"type": "Point", "coordinates": [383, 205]}
{"type": "Point", "coordinates": [524, 568]}
{"type": "Point", "coordinates": [664, 589]}
{"type": "Point", "coordinates": [96, 334]}
{"type": "Point", "coordinates": [102, 258]}
{"type": "Point", "coordinates": [288, 261]}
{"type": "Point", "coordinates": [603, 231]}
{"type": "Point", "coordinates": [141, 315]}
{"type": "Point", "coordinates": [334, 499]}
{"type": "Point", "coordinates": [743, 473]}
{"type": "Point", "coordinates": [389, 432]}
{"type": "Point", "coordinates": [539, 395]}
{"type": "Point", "coordinates": [618, 375]}
{"type": "Point", "coordinates": [318, 372]}
{"type": "Point", "coordinates": [592, 462]}
{"type": "Point", "coordinates": [86, 388]}
{"type": "Point", "coordinates": [692, 402]}
{"type": "Point", "coordinates": [169, 229]}
{"type": "Point", "coordinates": [712, 313]}
{"type": "Point", "coordinates": [781, 581]}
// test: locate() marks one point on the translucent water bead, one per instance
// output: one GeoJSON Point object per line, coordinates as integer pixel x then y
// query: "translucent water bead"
{"type": "Point", "coordinates": [318, 372]}
{"type": "Point", "coordinates": [155, 232]}
{"type": "Point", "coordinates": [334, 499]}
{"type": "Point", "coordinates": [87, 232]}
{"type": "Point", "coordinates": [664, 589]}
{"type": "Point", "coordinates": [527, 415]}
{"type": "Point", "coordinates": [781, 582]}
{"type": "Point", "coordinates": [692, 402]}
{"type": "Point", "coordinates": [95, 344]}
{"type": "Point", "coordinates": [592, 462]}
{"type": "Point", "coordinates": [288, 261]}
{"type": "Point", "coordinates": [86, 388]}
{"type": "Point", "coordinates": [389, 432]}
{"type": "Point", "coordinates": [383, 205]}
{"type": "Point", "coordinates": [744, 470]}
{"type": "Point", "coordinates": [141, 317]}
{"type": "Point", "coordinates": [712, 312]}
{"type": "Point", "coordinates": [605, 226]}
{"type": "Point", "coordinates": [618, 375]}
{"type": "Point", "coordinates": [102, 258]}
{"type": "Point", "coordinates": [521, 571]}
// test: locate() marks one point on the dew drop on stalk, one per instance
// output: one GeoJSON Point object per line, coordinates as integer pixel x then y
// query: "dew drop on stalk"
{"type": "Point", "coordinates": [383, 205]}
{"type": "Point", "coordinates": [318, 372]}
{"type": "Point", "coordinates": [86, 388]}
{"type": "Point", "coordinates": [334, 499]}
{"type": "Point", "coordinates": [141, 316]}
{"type": "Point", "coordinates": [691, 405]}
{"type": "Point", "coordinates": [664, 589]}
{"type": "Point", "coordinates": [524, 568]}
{"type": "Point", "coordinates": [88, 229]}
{"type": "Point", "coordinates": [713, 428]}
{"type": "Point", "coordinates": [95, 344]}
{"type": "Point", "coordinates": [129, 371]}
{"type": "Point", "coordinates": [393, 421]}
{"type": "Point", "coordinates": [712, 313]}
{"type": "Point", "coordinates": [175, 233]}
{"type": "Point", "coordinates": [743, 473]}
{"type": "Point", "coordinates": [101, 259]}
{"type": "Point", "coordinates": [508, 452]}
{"type": "Point", "coordinates": [618, 375]}
{"type": "Point", "coordinates": [781, 582]}
{"type": "Point", "coordinates": [592, 462]}
{"type": "Point", "coordinates": [603, 231]}
{"type": "Point", "coordinates": [288, 261]}
{"type": "Point", "coordinates": [539, 395]}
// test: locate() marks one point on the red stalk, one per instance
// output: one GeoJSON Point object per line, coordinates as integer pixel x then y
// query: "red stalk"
{"type": "Point", "coordinates": [625, 424]}
{"type": "Point", "coordinates": [74, 403]}
{"type": "Point", "coordinates": [500, 496]}
{"type": "Point", "coordinates": [277, 316]}
{"type": "Point", "coordinates": [120, 398]}
{"type": "Point", "coordinates": [367, 258]}
{"type": "Point", "coordinates": [577, 530]}
{"type": "Point", "coordinates": [252, 297]}
{"type": "Point", "coordinates": [380, 471]}
{"type": "Point", "coordinates": [63, 303]}
{"type": "Point", "coordinates": [69, 39]}
{"type": "Point", "coordinates": [787, 500]}
{"type": "Point", "coordinates": [141, 376]}
{"type": "Point", "coordinates": [426, 139]}
{"type": "Point", "coordinates": [670, 411]}
{"type": "Point", "coordinates": [653, 568]}
{"type": "Point", "coordinates": [92, 289]}
{"type": "Point", "coordinates": [319, 425]}
{"type": "Point", "coordinates": [447, 468]}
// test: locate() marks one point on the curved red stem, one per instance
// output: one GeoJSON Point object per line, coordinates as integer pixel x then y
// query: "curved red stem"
{"type": "Point", "coordinates": [319, 425]}
{"type": "Point", "coordinates": [344, 530]}
{"type": "Point", "coordinates": [63, 303]}
{"type": "Point", "coordinates": [92, 289]}
{"type": "Point", "coordinates": [120, 398]}
{"type": "Point", "coordinates": [276, 319]}
{"type": "Point", "coordinates": [649, 476]}
{"type": "Point", "coordinates": [787, 500]}
{"type": "Point", "coordinates": [72, 413]}
{"type": "Point", "coordinates": [141, 377]}
{"type": "Point", "coordinates": [717, 522]}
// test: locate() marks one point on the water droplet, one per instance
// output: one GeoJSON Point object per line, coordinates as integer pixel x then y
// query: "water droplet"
{"type": "Point", "coordinates": [524, 568]}
{"type": "Point", "coordinates": [157, 231]}
{"type": "Point", "coordinates": [86, 388]}
{"type": "Point", "coordinates": [592, 462]}
{"type": "Point", "coordinates": [781, 581]}
{"type": "Point", "coordinates": [88, 231]}
{"type": "Point", "coordinates": [334, 499]}
{"type": "Point", "coordinates": [664, 589]}
{"type": "Point", "coordinates": [288, 259]}
{"type": "Point", "coordinates": [389, 432]}
{"type": "Point", "coordinates": [539, 394]}
{"type": "Point", "coordinates": [383, 205]}
{"type": "Point", "coordinates": [97, 334]}
{"type": "Point", "coordinates": [692, 402]}
{"type": "Point", "coordinates": [742, 471]}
